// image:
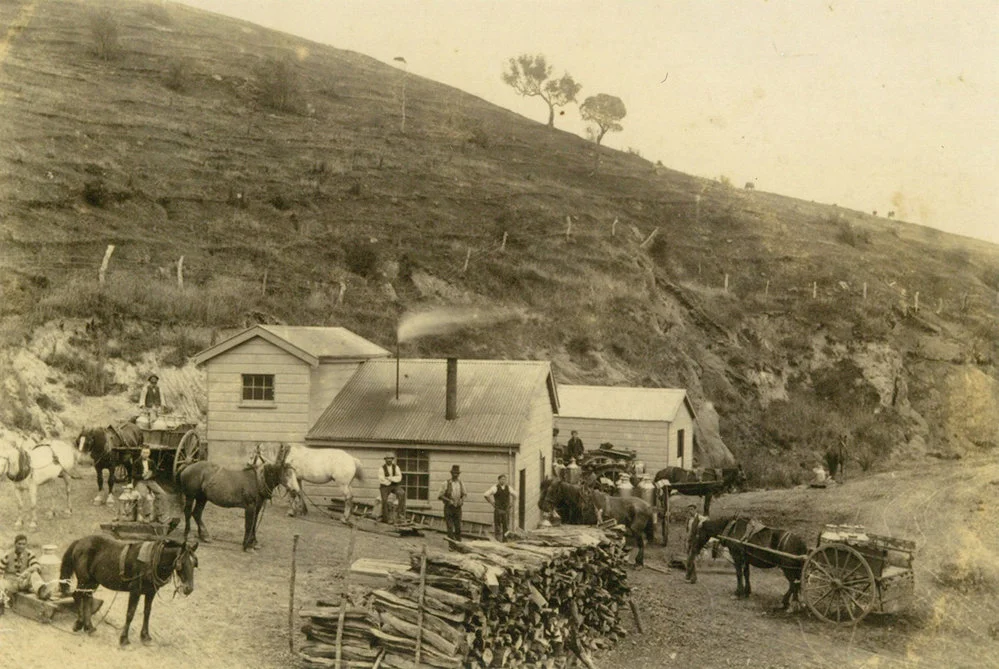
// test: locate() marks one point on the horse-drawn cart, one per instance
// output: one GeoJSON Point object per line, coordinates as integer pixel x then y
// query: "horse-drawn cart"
{"type": "Point", "coordinates": [850, 572]}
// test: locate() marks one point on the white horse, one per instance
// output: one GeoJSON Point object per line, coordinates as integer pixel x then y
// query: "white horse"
{"type": "Point", "coordinates": [48, 461]}
{"type": "Point", "coordinates": [323, 465]}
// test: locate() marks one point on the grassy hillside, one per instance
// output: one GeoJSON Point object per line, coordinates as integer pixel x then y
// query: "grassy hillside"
{"type": "Point", "coordinates": [280, 170]}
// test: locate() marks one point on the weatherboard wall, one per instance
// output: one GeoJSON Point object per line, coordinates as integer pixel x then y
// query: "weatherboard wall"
{"type": "Point", "coordinates": [234, 426]}
{"type": "Point", "coordinates": [655, 442]}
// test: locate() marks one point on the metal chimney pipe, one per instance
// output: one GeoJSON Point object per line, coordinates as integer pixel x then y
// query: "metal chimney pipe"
{"type": "Point", "coordinates": [451, 397]}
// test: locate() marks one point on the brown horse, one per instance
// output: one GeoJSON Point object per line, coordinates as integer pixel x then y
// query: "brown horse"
{"type": "Point", "coordinates": [580, 505]}
{"type": "Point", "coordinates": [729, 478]}
{"type": "Point", "coordinates": [751, 543]}
{"type": "Point", "coordinates": [140, 569]}
{"type": "Point", "coordinates": [114, 448]}
{"type": "Point", "coordinates": [249, 489]}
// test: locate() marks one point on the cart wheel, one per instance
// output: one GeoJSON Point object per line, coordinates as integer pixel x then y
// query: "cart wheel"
{"type": "Point", "coordinates": [838, 584]}
{"type": "Point", "coordinates": [189, 450]}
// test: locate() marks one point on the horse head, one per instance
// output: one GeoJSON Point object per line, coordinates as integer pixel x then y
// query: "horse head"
{"type": "Point", "coordinates": [184, 564]}
{"type": "Point", "coordinates": [549, 497]}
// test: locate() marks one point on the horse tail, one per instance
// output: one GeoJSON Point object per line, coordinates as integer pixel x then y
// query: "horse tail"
{"type": "Point", "coordinates": [66, 570]}
{"type": "Point", "coordinates": [358, 470]}
{"type": "Point", "coordinates": [650, 527]}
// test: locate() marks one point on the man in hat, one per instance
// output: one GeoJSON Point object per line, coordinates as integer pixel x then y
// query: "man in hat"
{"type": "Point", "coordinates": [574, 449]}
{"type": "Point", "coordinates": [389, 483]}
{"type": "Point", "coordinates": [501, 497]}
{"type": "Point", "coordinates": [21, 572]}
{"type": "Point", "coordinates": [453, 495]}
{"type": "Point", "coordinates": [151, 401]}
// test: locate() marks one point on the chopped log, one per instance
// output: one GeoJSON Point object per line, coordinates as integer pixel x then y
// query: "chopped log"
{"type": "Point", "coordinates": [409, 629]}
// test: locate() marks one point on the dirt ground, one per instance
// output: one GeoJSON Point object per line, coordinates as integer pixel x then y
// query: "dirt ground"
{"type": "Point", "coordinates": [238, 613]}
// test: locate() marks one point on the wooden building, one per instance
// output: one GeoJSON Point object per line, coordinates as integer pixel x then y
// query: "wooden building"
{"type": "Point", "coordinates": [490, 417]}
{"type": "Point", "coordinates": [270, 383]}
{"type": "Point", "coordinates": [658, 423]}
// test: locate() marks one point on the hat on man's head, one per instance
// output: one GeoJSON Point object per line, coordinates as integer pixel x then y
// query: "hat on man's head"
{"type": "Point", "coordinates": [455, 469]}
{"type": "Point", "coordinates": [390, 457]}
{"type": "Point", "coordinates": [153, 377]}
{"type": "Point", "coordinates": [19, 537]}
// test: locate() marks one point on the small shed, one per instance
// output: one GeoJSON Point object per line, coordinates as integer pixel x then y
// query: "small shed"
{"type": "Point", "coordinates": [658, 423]}
{"type": "Point", "coordinates": [269, 383]}
{"type": "Point", "coordinates": [490, 417]}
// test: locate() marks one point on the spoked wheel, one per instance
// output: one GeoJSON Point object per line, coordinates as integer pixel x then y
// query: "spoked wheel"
{"type": "Point", "coordinates": [838, 584]}
{"type": "Point", "coordinates": [189, 450]}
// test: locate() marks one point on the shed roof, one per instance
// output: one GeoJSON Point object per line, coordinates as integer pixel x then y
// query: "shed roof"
{"type": "Point", "coordinates": [621, 403]}
{"type": "Point", "coordinates": [309, 344]}
{"type": "Point", "coordinates": [494, 402]}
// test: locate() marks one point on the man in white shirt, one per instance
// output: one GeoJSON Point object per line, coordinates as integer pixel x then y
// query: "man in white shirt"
{"type": "Point", "coordinates": [501, 497]}
{"type": "Point", "coordinates": [390, 482]}
{"type": "Point", "coordinates": [144, 481]}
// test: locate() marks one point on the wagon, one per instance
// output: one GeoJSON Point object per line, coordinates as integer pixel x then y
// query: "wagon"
{"type": "Point", "coordinates": [850, 573]}
{"type": "Point", "coordinates": [174, 447]}
{"type": "Point", "coordinates": [664, 489]}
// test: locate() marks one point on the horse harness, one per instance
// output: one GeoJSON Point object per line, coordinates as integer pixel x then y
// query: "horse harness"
{"type": "Point", "coordinates": [24, 462]}
{"type": "Point", "coordinates": [149, 558]}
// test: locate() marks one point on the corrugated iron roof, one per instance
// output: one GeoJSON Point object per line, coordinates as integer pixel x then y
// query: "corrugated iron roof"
{"type": "Point", "coordinates": [309, 344]}
{"type": "Point", "coordinates": [621, 403]}
{"type": "Point", "coordinates": [327, 342]}
{"type": "Point", "coordinates": [494, 401]}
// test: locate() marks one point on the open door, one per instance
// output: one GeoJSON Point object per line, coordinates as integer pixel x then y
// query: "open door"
{"type": "Point", "coordinates": [521, 503]}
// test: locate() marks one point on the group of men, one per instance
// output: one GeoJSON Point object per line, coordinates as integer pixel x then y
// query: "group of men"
{"type": "Point", "coordinates": [453, 494]}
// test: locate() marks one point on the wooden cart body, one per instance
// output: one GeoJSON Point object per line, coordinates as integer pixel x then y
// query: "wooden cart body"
{"type": "Point", "coordinates": [850, 573]}
{"type": "Point", "coordinates": [172, 448]}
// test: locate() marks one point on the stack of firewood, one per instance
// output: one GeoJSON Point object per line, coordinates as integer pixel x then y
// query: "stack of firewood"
{"type": "Point", "coordinates": [553, 594]}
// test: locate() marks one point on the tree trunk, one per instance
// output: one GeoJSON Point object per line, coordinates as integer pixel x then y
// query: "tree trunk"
{"type": "Point", "coordinates": [551, 116]}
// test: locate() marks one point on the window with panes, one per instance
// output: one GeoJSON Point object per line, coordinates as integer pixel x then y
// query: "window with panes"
{"type": "Point", "coordinates": [258, 387]}
{"type": "Point", "coordinates": [415, 466]}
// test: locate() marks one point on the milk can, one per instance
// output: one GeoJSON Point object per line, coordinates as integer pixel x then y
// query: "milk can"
{"type": "Point", "coordinates": [558, 470]}
{"type": "Point", "coordinates": [624, 487]}
{"type": "Point", "coordinates": [573, 472]}
{"type": "Point", "coordinates": [49, 563]}
{"type": "Point", "coordinates": [646, 490]}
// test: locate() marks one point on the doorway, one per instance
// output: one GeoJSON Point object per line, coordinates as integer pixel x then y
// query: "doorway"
{"type": "Point", "coordinates": [521, 498]}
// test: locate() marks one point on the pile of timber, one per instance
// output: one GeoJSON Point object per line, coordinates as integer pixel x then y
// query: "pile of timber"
{"type": "Point", "coordinates": [553, 594]}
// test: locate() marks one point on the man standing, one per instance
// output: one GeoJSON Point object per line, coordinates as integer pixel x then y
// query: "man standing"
{"type": "Point", "coordinates": [21, 572]}
{"type": "Point", "coordinates": [574, 449]}
{"type": "Point", "coordinates": [453, 495]}
{"type": "Point", "coordinates": [151, 401]}
{"type": "Point", "coordinates": [390, 482]}
{"type": "Point", "coordinates": [144, 483]}
{"type": "Point", "coordinates": [500, 497]}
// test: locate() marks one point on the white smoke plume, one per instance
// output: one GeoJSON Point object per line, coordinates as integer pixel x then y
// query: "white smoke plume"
{"type": "Point", "coordinates": [448, 320]}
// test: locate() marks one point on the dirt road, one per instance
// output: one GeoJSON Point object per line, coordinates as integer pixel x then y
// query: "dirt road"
{"type": "Point", "coordinates": [238, 613]}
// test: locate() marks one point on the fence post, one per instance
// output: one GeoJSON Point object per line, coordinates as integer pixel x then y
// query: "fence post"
{"type": "Point", "coordinates": [568, 227]}
{"type": "Point", "coordinates": [865, 291]}
{"type": "Point", "coordinates": [104, 263]}
{"type": "Point", "coordinates": [915, 301]}
{"type": "Point", "coordinates": [697, 209]}
{"type": "Point", "coordinates": [815, 289]}
{"type": "Point", "coordinates": [180, 272]}
{"type": "Point", "coordinates": [939, 304]}
{"type": "Point", "coordinates": [726, 282]}
{"type": "Point", "coordinates": [766, 290]}
{"type": "Point", "coordinates": [503, 245]}
{"type": "Point", "coordinates": [614, 227]}
{"type": "Point", "coordinates": [468, 257]}
{"type": "Point", "coordinates": [263, 285]}
{"type": "Point", "coordinates": [291, 597]}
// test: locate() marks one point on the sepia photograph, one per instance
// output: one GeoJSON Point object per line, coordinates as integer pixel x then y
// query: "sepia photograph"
{"type": "Point", "coordinates": [446, 334]}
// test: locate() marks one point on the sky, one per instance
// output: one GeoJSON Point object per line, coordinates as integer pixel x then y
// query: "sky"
{"type": "Point", "coordinates": [868, 104]}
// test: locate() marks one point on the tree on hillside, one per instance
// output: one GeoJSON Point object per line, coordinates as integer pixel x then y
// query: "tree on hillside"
{"type": "Point", "coordinates": [605, 112]}
{"type": "Point", "coordinates": [104, 31]}
{"type": "Point", "coordinates": [531, 76]}
{"type": "Point", "coordinates": [277, 84]}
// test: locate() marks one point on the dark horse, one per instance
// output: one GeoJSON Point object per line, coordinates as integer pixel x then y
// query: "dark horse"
{"type": "Point", "coordinates": [580, 505]}
{"type": "Point", "coordinates": [249, 488]}
{"type": "Point", "coordinates": [135, 568]}
{"type": "Point", "coordinates": [730, 478]}
{"type": "Point", "coordinates": [112, 448]}
{"type": "Point", "coordinates": [756, 545]}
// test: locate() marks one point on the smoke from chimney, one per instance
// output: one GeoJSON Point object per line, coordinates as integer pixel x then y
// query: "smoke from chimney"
{"type": "Point", "coordinates": [451, 397]}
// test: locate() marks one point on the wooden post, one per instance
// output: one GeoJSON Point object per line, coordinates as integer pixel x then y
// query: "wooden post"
{"type": "Point", "coordinates": [766, 289]}
{"type": "Point", "coordinates": [263, 285]}
{"type": "Point", "coordinates": [343, 290]}
{"type": "Point", "coordinates": [865, 291]}
{"type": "Point", "coordinates": [468, 257]}
{"type": "Point", "coordinates": [568, 227]}
{"type": "Point", "coordinates": [614, 227]}
{"type": "Point", "coordinates": [344, 598]}
{"type": "Point", "coordinates": [419, 608]}
{"type": "Point", "coordinates": [939, 304]}
{"type": "Point", "coordinates": [634, 611]}
{"type": "Point", "coordinates": [503, 245]}
{"type": "Point", "coordinates": [815, 289]}
{"type": "Point", "coordinates": [180, 272]}
{"type": "Point", "coordinates": [697, 209]}
{"type": "Point", "coordinates": [915, 301]}
{"type": "Point", "coordinates": [726, 282]}
{"type": "Point", "coordinates": [104, 263]}
{"type": "Point", "coordinates": [291, 597]}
